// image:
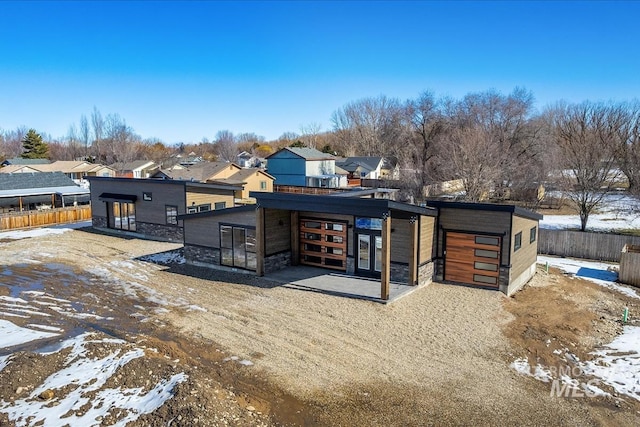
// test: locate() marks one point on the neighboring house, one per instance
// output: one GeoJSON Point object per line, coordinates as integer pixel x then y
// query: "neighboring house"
{"type": "Point", "coordinates": [150, 207]}
{"type": "Point", "coordinates": [200, 172]}
{"type": "Point", "coordinates": [41, 190]}
{"type": "Point", "coordinates": [19, 161]}
{"type": "Point", "coordinates": [76, 170]}
{"type": "Point", "coordinates": [250, 180]}
{"type": "Point", "coordinates": [489, 246]}
{"type": "Point", "coordinates": [18, 169]}
{"type": "Point", "coordinates": [390, 169]}
{"type": "Point", "coordinates": [136, 169]}
{"type": "Point", "coordinates": [247, 160]}
{"type": "Point", "coordinates": [486, 244]}
{"type": "Point", "coordinates": [362, 167]}
{"type": "Point", "coordinates": [304, 167]}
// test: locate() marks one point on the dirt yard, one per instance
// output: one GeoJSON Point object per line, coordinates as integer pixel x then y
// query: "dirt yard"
{"type": "Point", "coordinates": [259, 354]}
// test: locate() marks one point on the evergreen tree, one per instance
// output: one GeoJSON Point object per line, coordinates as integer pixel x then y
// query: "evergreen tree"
{"type": "Point", "coordinates": [34, 147]}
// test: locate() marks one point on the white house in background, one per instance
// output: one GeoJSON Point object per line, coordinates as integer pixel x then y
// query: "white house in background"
{"type": "Point", "coordinates": [362, 167]}
{"type": "Point", "coordinates": [135, 169]}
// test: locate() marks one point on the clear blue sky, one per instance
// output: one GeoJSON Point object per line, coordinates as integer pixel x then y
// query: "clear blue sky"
{"type": "Point", "coordinates": [181, 71]}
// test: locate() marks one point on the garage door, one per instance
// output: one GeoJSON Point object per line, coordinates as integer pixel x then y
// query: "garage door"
{"type": "Point", "coordinates": [323, 243]}
{"type": "Point", "coordinates": [472, 258]}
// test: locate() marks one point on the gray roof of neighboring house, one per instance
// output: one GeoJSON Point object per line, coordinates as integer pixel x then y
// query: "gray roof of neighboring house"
{"type": "Point", "coordinates": [198, 171]}
{"type": "Point", "coordinates": [351, 163]}
{"type": "Point", "coordinates": [26, 184]}
{"type": "Point", "coordinates": [21, 161]}
{"type": "Point", "coordinates": [307, 153]}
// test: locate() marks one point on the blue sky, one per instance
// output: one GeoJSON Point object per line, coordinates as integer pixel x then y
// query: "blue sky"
{"type": "Point", "coordinates": [181, 71]}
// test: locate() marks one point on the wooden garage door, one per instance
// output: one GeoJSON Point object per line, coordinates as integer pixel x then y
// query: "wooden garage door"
{"type": "Point", "coordinates": [323, 243]}
{"type": "Point", "coordinates": [472, 259]}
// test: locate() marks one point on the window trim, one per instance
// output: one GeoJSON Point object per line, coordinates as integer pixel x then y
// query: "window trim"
{"type": "Point", "coordinates": [171, 219]}
{"type": "Point", "coordinates": [216, 204]}
{"type": "Point", "coordinates": [533, 234]}
{"type": "Point", "coordinates": [517, 241]}
{"type": "Point", "coordinates": [263, 185]}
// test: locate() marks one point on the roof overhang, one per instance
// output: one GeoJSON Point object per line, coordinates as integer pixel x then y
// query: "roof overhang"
{"type": "Point", "coordinates": [115, 197]}
{"type": "Point", "coordinates": [64, 191]}
{"type": "Point", "coordinates": [367, 207]}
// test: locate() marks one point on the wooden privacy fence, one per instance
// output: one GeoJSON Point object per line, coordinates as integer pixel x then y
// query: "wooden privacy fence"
{"type": "Point", "coordinates": [630, 265]}
{"type": "Point", "coordinates": [579, 244]}
{"type": "Point", "coordinates": [26, 219]}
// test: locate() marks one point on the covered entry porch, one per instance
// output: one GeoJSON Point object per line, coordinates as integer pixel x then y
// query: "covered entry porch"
{"type": "Point", "coordinates": [314, 279]}
{"type": "Point", "coordinates": [386, 242]}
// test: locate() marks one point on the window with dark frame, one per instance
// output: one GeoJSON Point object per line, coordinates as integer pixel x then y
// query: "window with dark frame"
{"type": "Point", "coordinates": [220, 205]}
{"type": "Point", "coordinates": [171, 214]}
{"type": "Point", "coordinates": [517, 241]}
{"type": "Point", "coordinates": [147, 196]}
{"type": "Point", "coordinates": [532, 234]}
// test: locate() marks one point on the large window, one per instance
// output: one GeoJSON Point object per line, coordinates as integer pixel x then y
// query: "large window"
{"type": "Point", "coordinates": [171, 214]}
{"type": "Point", "coordinates": [238, 246]}
{"type": "Point", "coordinates": [124, 215]}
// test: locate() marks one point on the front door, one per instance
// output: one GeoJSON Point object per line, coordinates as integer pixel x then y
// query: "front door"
{"type": "Point", "coordinates": [369, 256]}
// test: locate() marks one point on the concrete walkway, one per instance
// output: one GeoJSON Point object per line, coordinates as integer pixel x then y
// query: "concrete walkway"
{"type": "Point", "coordinates": [334, 283]}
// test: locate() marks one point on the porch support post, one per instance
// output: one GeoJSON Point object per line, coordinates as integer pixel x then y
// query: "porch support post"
{"type": "Point", "coordinates": [20, 202]}
{"type": "Point", "coordinates": [413, 256]}
{"type": "Point", "coordinates": [260, 243]}
{"type": "Point", "coordinates": [295, 237]}
{"type": "Point", "coordinates": [386, 256]}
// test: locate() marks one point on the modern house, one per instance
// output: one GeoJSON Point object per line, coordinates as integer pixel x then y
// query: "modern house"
{"type": "Point", "coordinates": [304, 167]}
{"type": "Point", "coordinates": [489, 246]}
{"type": "Point", "coordinates": [251, 179]}
{"type": "Point", "coordinates": [150, 207]}
{"type": "Point", "coordinates": [135, 169]}
{"type": "Point", "coordinates": [41, 190]}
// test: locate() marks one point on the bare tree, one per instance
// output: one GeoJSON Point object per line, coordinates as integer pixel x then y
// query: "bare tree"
{"type": "Point", "coordinates": [469, 154]}
{"type": "Point", "coordinates": [427, 125]}
{"type": "Point", "coordinates": [11, 142]}
{"type": "Point", "coordinates": [84, 134]}
{"type": "Point", "coordinates": [121, 144]}
{"type": "Point", "coordinates": [629, 145]}
{"type": "Point", "coordinates": [73, 145]}
{"type": "Point", "coordinates": [310, 134]}
{"type": "Point", "coordinates": [587, 137]}
{"type": "Point", "coordinates": [98, 128]}
{"type": "Point", "coordinates": [369, 127]}
{"type": "Point", "coordinates": [226, 146]}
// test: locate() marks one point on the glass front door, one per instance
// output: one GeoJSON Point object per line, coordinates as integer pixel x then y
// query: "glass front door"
{"type": "Point", "coordinates": [369, 254]}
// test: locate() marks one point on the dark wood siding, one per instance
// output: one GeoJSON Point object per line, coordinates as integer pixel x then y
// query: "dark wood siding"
{"type": "Point", "coordinates": [277, 228]}
{"type": "Point", "coordinates": [205, 231]}
{"type": "Point", "coordinates": [522, 259]}
{"type": "Point", "coordinates": [400, 240]}
{"type": "Point", "coordinates": [427, 227]}
{"type": "Point", "coordinates": [150, 211]}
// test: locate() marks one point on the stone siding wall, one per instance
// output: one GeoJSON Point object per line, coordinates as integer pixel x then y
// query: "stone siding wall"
{"type": "Point", "coordinates": [425, 273]}
{"type": "Point", "coordinates": [201, 255]}
{"type": "Point", "coordinates": [277, 262]}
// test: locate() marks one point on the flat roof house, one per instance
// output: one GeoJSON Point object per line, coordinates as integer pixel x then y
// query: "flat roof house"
{"type": "Point", "coordinates": [149, 208]}
{"type": "Point", "coordinates": [489, 246]}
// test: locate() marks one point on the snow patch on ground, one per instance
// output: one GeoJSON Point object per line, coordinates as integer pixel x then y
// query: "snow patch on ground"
{"type": "Point", "coordinates": [87, 375]}
{"type": "Point", "coordinates": [594, 271]}
{"type": "Point", "coordinates": [616, 365]}
{"type": "Point", "coordinates": [12, 335]}
{"type": "Point", "coordinates": [39, 232]}
{"type": "Point", "coordinates": [171, 257]}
